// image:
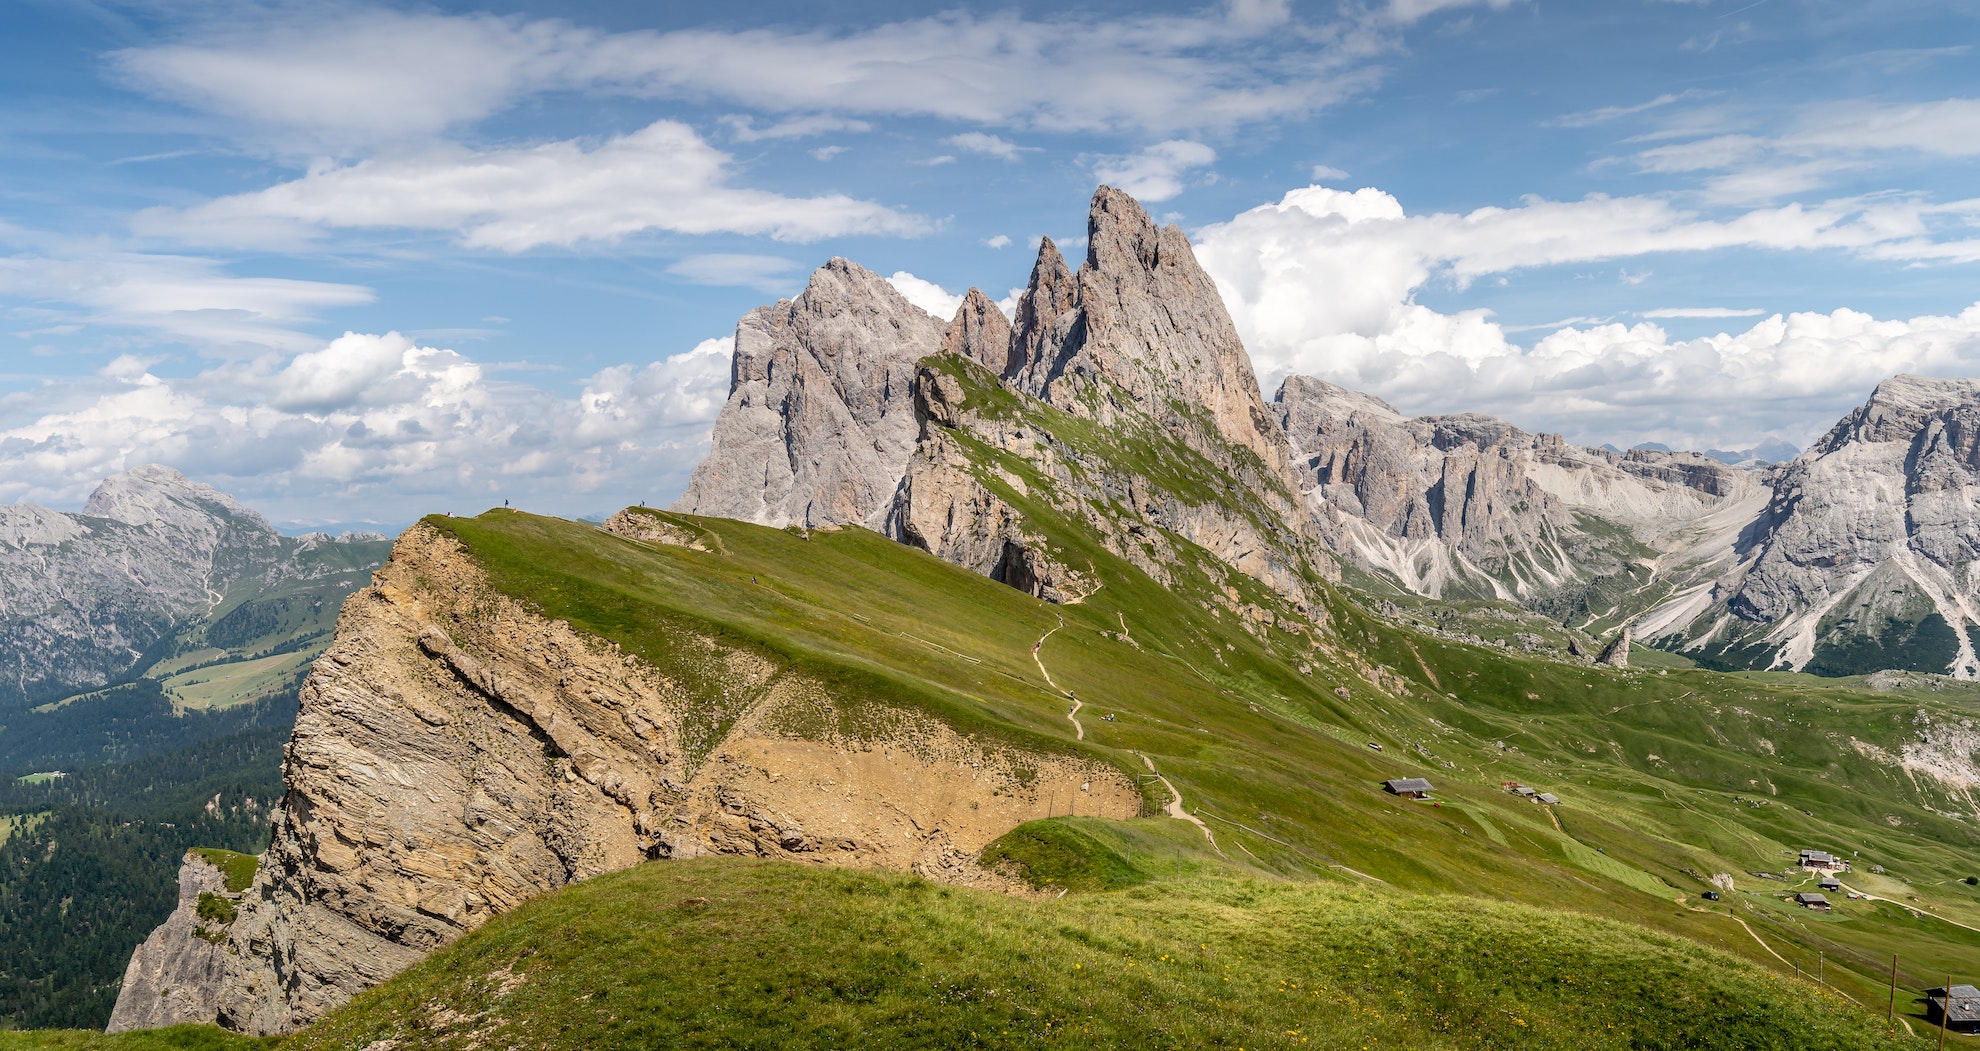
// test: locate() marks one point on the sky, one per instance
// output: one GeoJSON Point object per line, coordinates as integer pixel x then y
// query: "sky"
{"type": "Point", "coordinates": [356, 262]}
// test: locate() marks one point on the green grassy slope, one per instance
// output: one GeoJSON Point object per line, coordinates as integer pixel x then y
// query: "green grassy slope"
{"type": "Point", "coordinates": [1276, 760]}
{"type": "Point", "coordinates": [726, 953]}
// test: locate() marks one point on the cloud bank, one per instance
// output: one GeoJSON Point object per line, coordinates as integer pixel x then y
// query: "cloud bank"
{"type": "Point", "coordinates": [1324, 282]}
{"type": "Point", "coordinates": [376, 423]}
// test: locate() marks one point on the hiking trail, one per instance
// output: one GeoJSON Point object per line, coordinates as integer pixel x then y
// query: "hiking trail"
{"type": "Point", "coordinates": [1175, 806]}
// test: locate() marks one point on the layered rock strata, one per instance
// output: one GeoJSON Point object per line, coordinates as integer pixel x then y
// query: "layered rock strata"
{"type": "Point", "coordinates": [457, 754]}
{"type": "Point", "coordinates": [1872, 534]}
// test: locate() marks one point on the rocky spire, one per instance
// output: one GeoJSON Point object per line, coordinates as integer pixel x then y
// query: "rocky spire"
{"type": "Point", "coordinates": [1143, 318]}
{"type": "Point", "coordinates": [820, 418]}
{"type": "Point", "coordinates": [1047, 317]}
{"type": "Point", "coordinates": [980, 333]}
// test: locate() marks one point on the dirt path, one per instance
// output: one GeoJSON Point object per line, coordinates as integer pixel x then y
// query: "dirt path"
{"type": "Point", "coordinates": [1175, 807]}
{"type": "Point", "coordinates": [1914, 908]}
{"type": "Point", "coordinates": [1079, 731]}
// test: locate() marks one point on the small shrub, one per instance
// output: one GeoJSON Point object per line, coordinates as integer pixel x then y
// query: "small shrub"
{"type": "Point", "coordinates": [217, 908]}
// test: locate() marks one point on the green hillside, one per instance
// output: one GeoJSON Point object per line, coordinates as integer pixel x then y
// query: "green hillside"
{"type": "Point", "coordinates": [1667, 778]}
{"type": "Point", "coordinates": [727, 953]}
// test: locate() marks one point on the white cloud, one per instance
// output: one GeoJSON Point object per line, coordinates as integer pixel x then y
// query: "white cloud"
{"type": "Point", "coordinates": [351, 77]}
{"type": "Point", "coordinates": [1604, 114]}
{"type": "Point", "coordinates": [172, 297]}
{"type": "Point", "coordinates": [743, 128]}
{"type": "Point", "coordinates": [1416, 10]}
{"type": "Point", "coordinates": [1792, 374]}
{"type": "Point", "coordinates": [927, 295]}
{"type": "Point", "coordinates": [1822, 141]}
{"type": "Point", "coordinates": [1702, 312]}
{"type": "Point", "coordinates": [1155, 173]}
{"type": "Point", "coordinates": [826, 153]}
{"type": "Point", "coordinates": [376, 422]}
{"type": "Point", "coordinates": [999, 241]}
{"type": "Point", "coordinates": [989, 146]}
{"type": "Point", "coordinates": [1327, 172]}
{"type": "Point", "coordinates": [662, 177]}
{"type": "Point", "coordinates": [765, 273]}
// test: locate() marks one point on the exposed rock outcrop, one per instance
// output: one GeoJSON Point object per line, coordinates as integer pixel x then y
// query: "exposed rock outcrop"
{"type": "Point", "coordinates": [178, 973]}
{"type": "Point", "coordinates": [1616, 653]}
{"type": "Point", "coordinates": [1469, 505]}
{"type": "Point", "coordinates": [820, 417]}
{"type": "Point", "coordinates": [457, 753]}
{"type": "Point", "coordinates": [1865, 554]}
{"type": "Point", "coordinates": [1142, 322]}
{"type": "Point", "coordinates": [980, 332]}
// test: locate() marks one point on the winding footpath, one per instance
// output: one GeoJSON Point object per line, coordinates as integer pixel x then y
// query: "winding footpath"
{"type": "Point", "coordinates": [1079, 731]}
{"type": "Point", "coordinates": [1175, 807]}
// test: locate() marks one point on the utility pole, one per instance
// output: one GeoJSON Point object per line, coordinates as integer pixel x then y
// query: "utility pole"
{"type": "Point", "coordinates": [1819, 961]}
{"type": "Point", "coordinates": [1890, 1013]}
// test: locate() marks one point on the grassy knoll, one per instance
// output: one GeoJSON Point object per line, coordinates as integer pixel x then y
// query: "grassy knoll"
{"type": "Point", "coordinates": [237, 868]}
{"type": "Point", "coordinates": [731, 953]}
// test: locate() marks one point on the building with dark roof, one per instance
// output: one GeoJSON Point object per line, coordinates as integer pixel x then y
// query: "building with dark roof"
{"type": "Point", "coordinates": [1548, 798]}
{"type": "Point", "coordinates": [1409, 787]}
{"type": "Point", "coordinates": [1808, 900]}
{"type": "Point", "coordinates": [1829, 883]}
{"type": "Point", "coordinates": [1959, 1006]}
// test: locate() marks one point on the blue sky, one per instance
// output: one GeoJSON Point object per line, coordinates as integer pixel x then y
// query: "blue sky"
{"type": "Point", "coordinates": [359, 261]}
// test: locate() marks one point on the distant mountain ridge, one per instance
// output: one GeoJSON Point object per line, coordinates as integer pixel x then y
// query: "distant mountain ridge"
{"type": "Point", "coordinates": [1463, 506]}
{"type": "Point", "coordinates": [90, 598]}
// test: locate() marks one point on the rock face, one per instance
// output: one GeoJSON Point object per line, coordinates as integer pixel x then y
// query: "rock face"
{"type": "Point", "coordinates": [1471, 506]}
{"type": "Point", "coordinates": [177, 974]}
{"type": "Point", "coordinates": [980, 333]}
{"type": "Point", "coordinates": [83, 597]}
{"type": "Point", "coordinates": [457, 753]}
{"type": "Point", "coordinates": [1142, 326]}
{"type": "Point", "coordinates": [1864, 557]}
{"type": "Point", "coordinates": [820, 417]}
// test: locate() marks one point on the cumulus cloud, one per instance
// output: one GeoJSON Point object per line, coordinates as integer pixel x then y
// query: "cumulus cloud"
{"type": "Point", "coordinates": [1324, 283]}
{"type": "Point", "coordinates": [1155, 173]}
{"type": "Point", "coordinates": [663, 177]}
{"type": "Point", "coordinates": [354, 77]}
{"type": "Point", "coordinates": [927, 295]}
{"type": "Point", "coordinates": [379, 422]}
{"type": "Point", "coordinates": [742, 128]}
{"type": "Point", "coordinates": [999, 241]}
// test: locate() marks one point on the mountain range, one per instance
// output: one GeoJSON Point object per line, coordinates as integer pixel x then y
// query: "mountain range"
{"type": "Point", "coordinates": [1005, 602]}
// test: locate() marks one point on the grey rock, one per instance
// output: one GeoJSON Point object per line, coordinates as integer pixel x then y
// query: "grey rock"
{"type": "Point", "coordinates": [176, 975]}
{"type": "Point", "coordinates": [980, 332]}
{"type": "Point", "coordinates": [820, 417]}
{"type": "Point", "coordinates": [83, 597]}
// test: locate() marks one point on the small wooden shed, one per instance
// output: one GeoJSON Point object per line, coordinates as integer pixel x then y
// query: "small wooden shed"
{"type": "Point", "coordinates": [1409, 787]}
{"type": "Point", "coordinates": [1807, 900]}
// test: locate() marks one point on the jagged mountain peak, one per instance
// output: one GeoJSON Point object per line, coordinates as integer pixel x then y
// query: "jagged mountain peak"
{"type": "Point", "coordinates": [1143, 321]}
{"type": "Point", "coordinates": [1898, 408]}
{"type": "Point", "coordinates": [980, 332]}
{"type": "Point", "coordinates": [820, 418]}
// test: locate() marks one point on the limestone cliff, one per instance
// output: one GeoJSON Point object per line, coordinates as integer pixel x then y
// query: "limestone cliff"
{"type": "Point", "coordinates": [177, 974]}
{"type": "Point", "coordinates": [1864, 556]}
{"type": "Point", "coordinates": [457, 753]}
{"type": "Point", "coordinates": [819, 421]}
{"type": "Point", "coordinates": [1141, 326]}
{"type": "Point", "coordinates": [1471, 506]}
